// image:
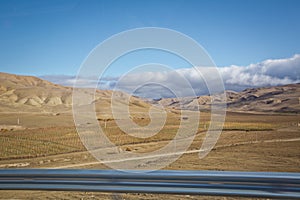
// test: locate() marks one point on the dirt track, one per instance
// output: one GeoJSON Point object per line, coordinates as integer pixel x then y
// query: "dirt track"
{"type": "Point", "coordinates": [168, 154]}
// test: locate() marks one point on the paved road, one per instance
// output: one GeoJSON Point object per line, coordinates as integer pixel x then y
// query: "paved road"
{"type": "Point", "coordinates": [221, 183]}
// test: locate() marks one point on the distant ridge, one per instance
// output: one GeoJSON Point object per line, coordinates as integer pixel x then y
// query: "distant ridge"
{"type": "Point", "coordinates": [279, 99]}
{"type": "Point", "coordinates": [32, 94]}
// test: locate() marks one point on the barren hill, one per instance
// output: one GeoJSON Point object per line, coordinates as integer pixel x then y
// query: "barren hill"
{"type": "Point", "coordinates": [31, 94]}
{"type": "Point", "coordinates": [282, 99]}
{"type": "Point", "coordinates": [28, 93]}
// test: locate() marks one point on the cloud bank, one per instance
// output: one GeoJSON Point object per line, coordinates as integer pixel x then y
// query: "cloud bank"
{"type": "Point", "coordinates": [267, 73]}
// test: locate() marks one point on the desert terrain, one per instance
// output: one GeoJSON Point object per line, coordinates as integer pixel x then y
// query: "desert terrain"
{"type": "Point", "coordinates": [261, 132]}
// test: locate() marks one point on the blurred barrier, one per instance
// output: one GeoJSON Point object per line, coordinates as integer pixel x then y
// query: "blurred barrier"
{"type": "Point", "coordinates": [220, 183]}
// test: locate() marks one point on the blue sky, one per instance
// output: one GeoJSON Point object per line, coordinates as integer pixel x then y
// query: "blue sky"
{"type": "Point", "coordinates": [54, 37]}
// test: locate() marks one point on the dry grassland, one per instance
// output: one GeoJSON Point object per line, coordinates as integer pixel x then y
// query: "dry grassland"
{"type": "Point", "coordinates": [249, 142]}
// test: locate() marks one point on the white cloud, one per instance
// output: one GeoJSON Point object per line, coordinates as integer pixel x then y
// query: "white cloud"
{"type": "Point", "coordinates": [157, 84]}
{"type": "Point", "coordinates": [266, 73]}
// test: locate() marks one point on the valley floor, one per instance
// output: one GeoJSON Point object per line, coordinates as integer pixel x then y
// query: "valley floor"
{"type": "Point", "coordinates": [249, 142]}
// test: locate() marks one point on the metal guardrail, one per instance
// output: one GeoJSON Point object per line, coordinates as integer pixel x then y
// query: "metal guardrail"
{"type": "Point", "coordinates": [223, 183]}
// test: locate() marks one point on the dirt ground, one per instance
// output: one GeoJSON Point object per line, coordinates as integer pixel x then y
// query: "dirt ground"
{"type": "Point", "coordinates": [249, 142]}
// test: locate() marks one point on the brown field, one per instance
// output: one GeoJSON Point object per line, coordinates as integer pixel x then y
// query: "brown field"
{"type": "Point", "coordinates": [249, 142]}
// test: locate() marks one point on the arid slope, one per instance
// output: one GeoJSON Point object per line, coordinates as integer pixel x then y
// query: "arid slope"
{"type": "Point", "coordinates": [31, 94]}
{"type": "Point", "coordinates": [280, 99]}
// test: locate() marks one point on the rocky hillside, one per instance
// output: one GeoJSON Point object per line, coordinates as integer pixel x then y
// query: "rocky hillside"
{"type": "Point", "coordinates": [283, 99]}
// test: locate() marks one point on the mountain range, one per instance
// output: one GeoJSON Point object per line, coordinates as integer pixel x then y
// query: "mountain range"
{"type": "Point", "coordinates": [279, 99]}
{"type": "Point", "coordinates": [32, 94]}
